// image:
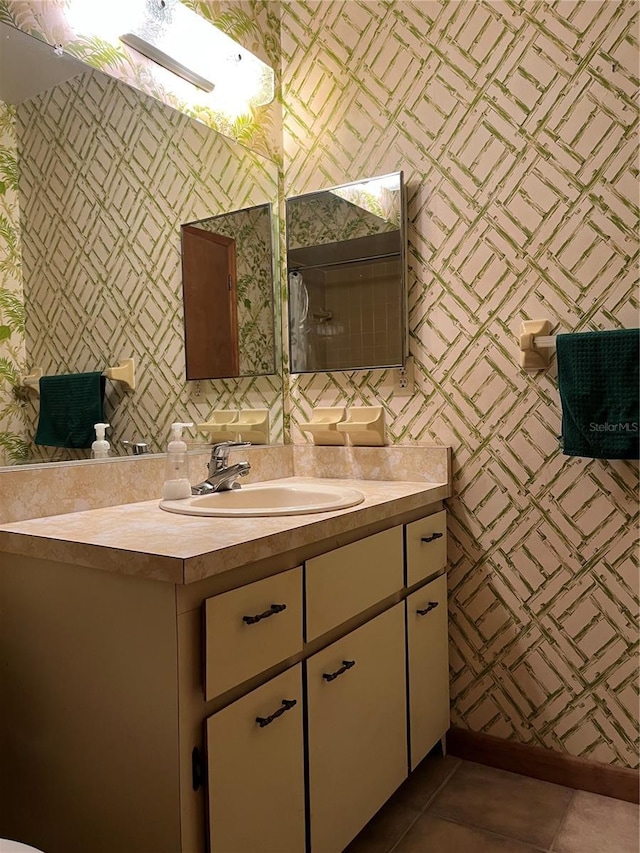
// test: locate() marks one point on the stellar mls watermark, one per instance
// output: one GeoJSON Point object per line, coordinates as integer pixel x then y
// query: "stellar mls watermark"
{"type": "Point", "coordinates": [622, 426]}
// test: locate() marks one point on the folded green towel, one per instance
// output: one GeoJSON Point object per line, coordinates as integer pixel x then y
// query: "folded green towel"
{"type": "Point", "coordinates": [70, 404]}
{"type": "Point", "coordinates": [598, 382]}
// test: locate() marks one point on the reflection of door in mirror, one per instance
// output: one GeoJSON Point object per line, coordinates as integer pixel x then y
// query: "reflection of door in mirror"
{"type": "Point", "coordinates": [249, 321]}
{"type": "Point", "coordinates": [348, 246]}
{"type": "Point", "coordinates": [210, 315]}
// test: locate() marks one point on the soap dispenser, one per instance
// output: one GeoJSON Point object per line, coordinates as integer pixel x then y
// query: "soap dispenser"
{"type": "Point", "coordinates": [100, 449]}
{"type": "Point", "coordinates": [176, 481]}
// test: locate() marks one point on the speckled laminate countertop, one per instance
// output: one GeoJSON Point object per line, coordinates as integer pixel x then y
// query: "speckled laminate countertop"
{"type": "Point", "coordinates": [143, 540]}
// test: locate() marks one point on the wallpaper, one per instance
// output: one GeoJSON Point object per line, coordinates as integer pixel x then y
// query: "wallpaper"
{"type": "Point", "coordinates": [328, 219]}
{"type": "Point", "coordinates": [13, 441]}
{"type": "Point", "coordinates": [516, 126]}
{"type": "Point", "coordinates": [107, 176]}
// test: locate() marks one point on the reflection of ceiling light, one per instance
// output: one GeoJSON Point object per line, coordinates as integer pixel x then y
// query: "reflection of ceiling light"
{"type": "Point", "coordinates": [168, 62]}
{"type": "Point", "coordinates": [180, 40]}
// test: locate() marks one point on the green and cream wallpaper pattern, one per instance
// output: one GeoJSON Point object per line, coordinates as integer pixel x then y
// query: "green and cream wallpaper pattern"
{"type": "Point", "coordinates": [516, 126]}
{"type": "Point", "coordinates": [13, 435]}
{"type": "Point", "coordinates": [108, 175]}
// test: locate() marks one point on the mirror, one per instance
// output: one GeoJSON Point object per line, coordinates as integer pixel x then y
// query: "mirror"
{"type": "Point", "coordinates": [107, 176]}
{"type": "Point", "coordinates": [227, 282]}
{"type": "Point", "coordinates": [346, 265]}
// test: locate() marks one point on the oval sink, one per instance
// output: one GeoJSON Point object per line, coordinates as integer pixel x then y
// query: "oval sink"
{"type": "Point", "coordinates": [268, 499]}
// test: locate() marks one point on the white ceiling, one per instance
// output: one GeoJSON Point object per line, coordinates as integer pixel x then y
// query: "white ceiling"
{"type": "Point", "coordinates": [28, 66]}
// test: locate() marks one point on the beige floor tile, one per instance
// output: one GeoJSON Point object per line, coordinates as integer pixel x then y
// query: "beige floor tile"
{"type": "Point", "coordinates": [431, 834]}
{"type": "Point", "coordinates": [596, 824]}
{"type": "Point", "coordinates": [516, 806]}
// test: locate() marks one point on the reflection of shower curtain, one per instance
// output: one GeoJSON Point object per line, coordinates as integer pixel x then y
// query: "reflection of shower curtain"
{"type": "Point", "coordinates": [298, 310]}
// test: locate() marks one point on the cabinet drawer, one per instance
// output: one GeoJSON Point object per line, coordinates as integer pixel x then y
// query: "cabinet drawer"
{"type": "Point", "coordinates": [356, 729]}
{"type": "Point", "coordinates": [250, 629]}
{"type": "Point", "coordinates": [426, 547]}
{"type": "Point", "coordinates": [428, 655]}
{"type": "Point", "coordinates": [346, 581]}
{"type": "Point", "coordinates": [256, 773]}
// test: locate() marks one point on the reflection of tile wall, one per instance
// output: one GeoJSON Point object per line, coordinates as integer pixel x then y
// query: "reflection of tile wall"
{"type": "Point", "coordinates": [365, 303]}
{"type": "Point", "coordinates": [516, 126]}
{"type": "Point", "coordinates": [103, 282]}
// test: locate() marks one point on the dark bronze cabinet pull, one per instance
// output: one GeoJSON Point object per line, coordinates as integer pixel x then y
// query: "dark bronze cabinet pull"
{"type": "Point", "coordinates": [346, 664]}
{"type": "Point", "coordinates": [275, 608]}
{"type": "Point", "coordinates": [287, 705]}
{"type": "Point", "coordinates": [431, 606]}
{"type": "Point", "coordinates": [431, 538]}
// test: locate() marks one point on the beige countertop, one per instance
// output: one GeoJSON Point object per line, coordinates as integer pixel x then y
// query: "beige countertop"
{"type": "Point", "coordinates": [143, 540]}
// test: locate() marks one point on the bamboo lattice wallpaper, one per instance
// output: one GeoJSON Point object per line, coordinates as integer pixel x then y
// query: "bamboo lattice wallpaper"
{"type": "Point", "coordinates": [516, 126]}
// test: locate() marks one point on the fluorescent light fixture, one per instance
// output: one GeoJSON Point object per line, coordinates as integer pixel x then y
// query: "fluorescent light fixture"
{"type": "Point", "coordinates": [168, 62]}
{"type": "Point", "coordinates": [180, 40]}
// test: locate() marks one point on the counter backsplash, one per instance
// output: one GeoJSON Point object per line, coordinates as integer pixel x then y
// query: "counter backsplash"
{"type": "Point", "coordinates": [58, 488]}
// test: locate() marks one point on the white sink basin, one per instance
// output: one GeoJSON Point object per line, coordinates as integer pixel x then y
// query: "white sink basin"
{"type": "Point", "coordinates": [268, 499]}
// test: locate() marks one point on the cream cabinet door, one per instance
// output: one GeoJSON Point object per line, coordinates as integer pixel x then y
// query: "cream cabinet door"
{"type": "Point", "coordinates": [256, 770]}
{"type": "Point", "coordinates": [356, 695]}
{"type": "Point", "coordinates": [428, 655]}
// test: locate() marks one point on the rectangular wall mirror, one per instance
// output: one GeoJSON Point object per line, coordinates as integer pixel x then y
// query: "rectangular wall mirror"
{"type": "Point", "coordinates": [228, 295]}
{"type": "Point", "coordinates": [107, 176]}
{"type": "Point", "coordinates": [346, 265]}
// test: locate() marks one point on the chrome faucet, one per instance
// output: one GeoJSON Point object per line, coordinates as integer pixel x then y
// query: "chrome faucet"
{"type": "Point", "coordinates": [138, 448]}
{"type": "Point", "coordinates": [222, 476]}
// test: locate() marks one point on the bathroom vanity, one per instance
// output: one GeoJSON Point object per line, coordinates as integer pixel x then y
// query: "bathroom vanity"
{"type": "Point", "coordinates": [256, 685]}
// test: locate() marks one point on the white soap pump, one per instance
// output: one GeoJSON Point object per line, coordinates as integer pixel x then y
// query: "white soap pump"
{"type": "Point", "coordinates": [100, 448]}
{"type": "Point", "coordinates": [176, 481]}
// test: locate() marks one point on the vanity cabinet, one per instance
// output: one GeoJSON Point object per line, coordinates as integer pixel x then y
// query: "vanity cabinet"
{"type": "Point", "coordinates": [356, 705]}
{"type": "Point", "coordinates": [348, 580]}
{"type": "Point", "coordinates": [426, 547]}
{"type": "Point", "coordinates": [255, 764]}
{"type": "Point", "coordinates": [428, 667]}
{"type": "Point", "coordinates": [249, 629]}
{"type": "Point", "coordinates": [265, 709]}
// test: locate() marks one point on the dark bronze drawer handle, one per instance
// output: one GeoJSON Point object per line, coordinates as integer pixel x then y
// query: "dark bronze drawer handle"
{"type": "Point", "coordinates": [287, 705]}
{"type": "Point", "coordinates": [275, 608]}
{"type": "Point", "coordinates": [346, 664]}
{"type": "Point", "coordinates": [432, 537]}
{"type": "Point", "coordinates": [431, 606]}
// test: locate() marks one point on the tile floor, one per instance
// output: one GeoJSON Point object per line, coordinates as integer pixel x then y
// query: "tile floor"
{"type": "Point", "coordinates": [454, 806]}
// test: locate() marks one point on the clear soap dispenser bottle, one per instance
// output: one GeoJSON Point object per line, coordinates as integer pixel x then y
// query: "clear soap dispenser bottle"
{"type": "Point", "coordinates": [100, 449]}
{"type": "Point", "coordinates": [176, 480]}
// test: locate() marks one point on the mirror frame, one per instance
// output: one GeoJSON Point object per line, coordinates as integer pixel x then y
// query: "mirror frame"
{"type": "Point", "coordinates": [273, 271]}
{"type": "Point", "coordinates": [404, 310]}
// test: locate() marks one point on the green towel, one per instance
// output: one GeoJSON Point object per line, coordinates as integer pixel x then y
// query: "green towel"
{"type": "Point", "coordinates": [598, 383]}
{"type": "Point", "coordinates": [70, 404]}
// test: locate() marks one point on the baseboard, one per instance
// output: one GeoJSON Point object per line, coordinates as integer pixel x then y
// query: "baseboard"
{"type": "Point", "coordinates": [540, 763]}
